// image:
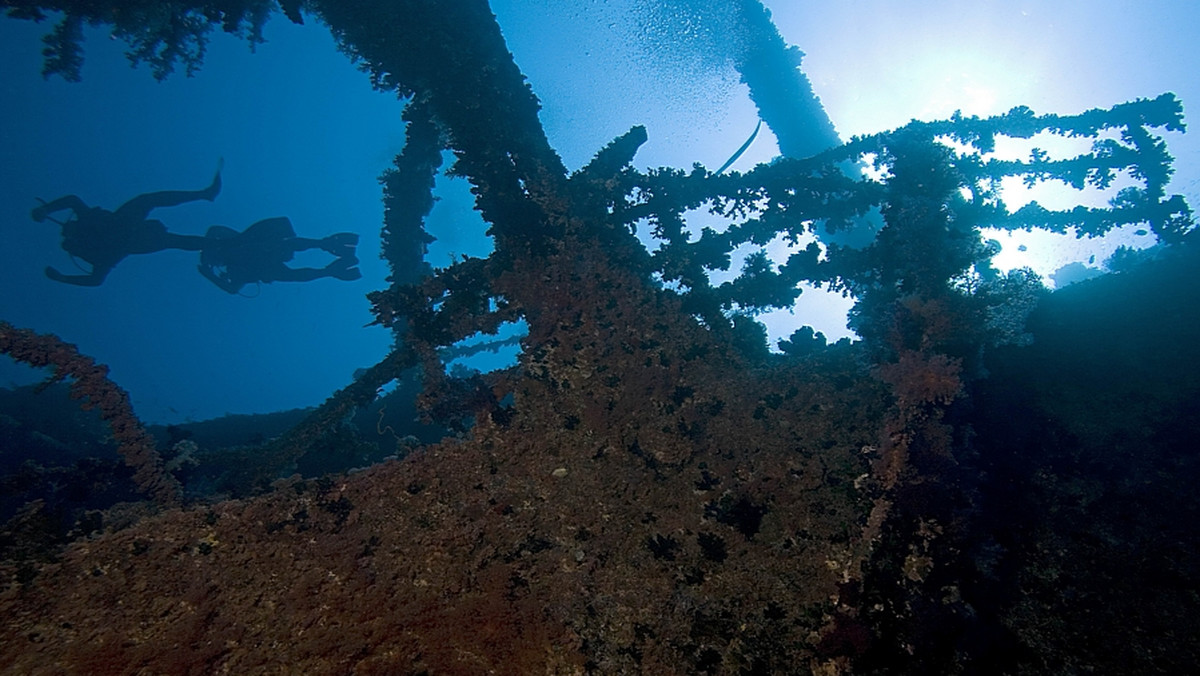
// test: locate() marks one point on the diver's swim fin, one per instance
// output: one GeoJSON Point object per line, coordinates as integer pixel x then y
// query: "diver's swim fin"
{"type": "Point", "coordinates": [214, 189]}
{"type": "Point", "coordinates": [343, 269]}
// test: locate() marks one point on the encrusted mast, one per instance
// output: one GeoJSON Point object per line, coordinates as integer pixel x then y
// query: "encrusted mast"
{"type": "Point", "coordinates": [90, 383]}
{"type": "Point", "coordinates": [649, 489]}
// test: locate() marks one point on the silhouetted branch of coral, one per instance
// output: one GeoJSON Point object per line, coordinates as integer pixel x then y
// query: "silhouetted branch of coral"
{"type": "Point", "coordinates": [159, 34]}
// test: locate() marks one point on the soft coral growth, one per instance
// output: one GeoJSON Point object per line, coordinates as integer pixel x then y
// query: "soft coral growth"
{"type": "Point", "coordinates": [93, 386]}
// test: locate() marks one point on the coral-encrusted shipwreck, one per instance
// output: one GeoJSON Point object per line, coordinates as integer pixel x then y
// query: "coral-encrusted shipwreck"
{"type": "Point", "coordinates": [648, 490]}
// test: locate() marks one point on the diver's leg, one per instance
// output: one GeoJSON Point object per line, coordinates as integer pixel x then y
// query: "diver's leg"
{"type": "Point", "coordinates": [286, 274]}
{"type": "Point", "coordinates": [343, 269]}
{"type": "Point", "coordinates": [184, 242]}
{"type": "Point", "coordinates": [152, 236]}
{"type": "Point", "coordinates": [305, 243]}
{"type": "Point", "coordinates": [340, 269]}
{"type": "Point", "coordinates": [139, 207]}
{"type": "Point", "coordinates": [340, 244]}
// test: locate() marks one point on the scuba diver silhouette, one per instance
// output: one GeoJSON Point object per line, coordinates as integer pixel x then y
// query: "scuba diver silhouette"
{"type": "Point", "coordinates": [104, 238]}
{"type": "Point", "coordinates": [232, 259]}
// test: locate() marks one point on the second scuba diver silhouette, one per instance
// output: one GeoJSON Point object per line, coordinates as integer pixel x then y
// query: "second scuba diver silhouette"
{"type": "Point", "coordinates": [228, 258]}
{"type": "Point", "coordinates": [232, 259]}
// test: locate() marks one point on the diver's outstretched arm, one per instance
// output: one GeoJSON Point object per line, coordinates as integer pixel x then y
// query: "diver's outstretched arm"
{"type": "Point", "coordinates": [139, 207]}
{"type": "Point", "coordinates": [72, 202]}
{"type": "Point", "coordinates": [94, 279]}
